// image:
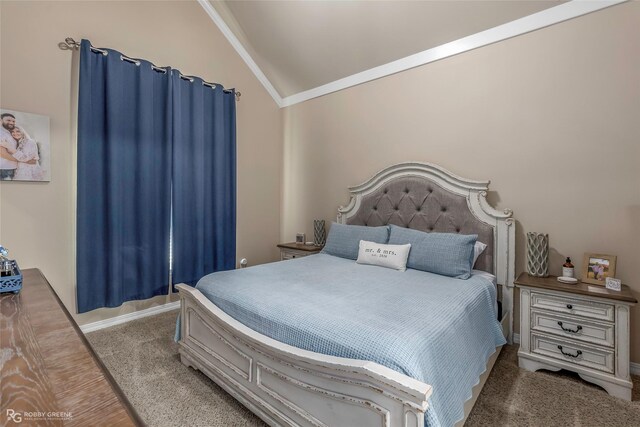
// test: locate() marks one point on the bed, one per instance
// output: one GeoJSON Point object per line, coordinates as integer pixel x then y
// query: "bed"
{"type": "Point", "coordinates": [321, 341]}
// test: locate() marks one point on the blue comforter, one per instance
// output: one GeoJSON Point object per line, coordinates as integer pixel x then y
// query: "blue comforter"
{"type": "Point", "coordinates": [436, 329]}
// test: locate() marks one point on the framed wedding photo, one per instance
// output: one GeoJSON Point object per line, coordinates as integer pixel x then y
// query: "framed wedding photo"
{"type": "Point", "coordinates": [25, 154]}
{"type": "Point", "coordinates": [597, 267]}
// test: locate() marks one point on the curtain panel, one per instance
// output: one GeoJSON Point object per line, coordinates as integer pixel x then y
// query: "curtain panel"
{"type": "Point", "coordinates": [204, 179]}
{"type": "Point", "coordinates": [149, 140]}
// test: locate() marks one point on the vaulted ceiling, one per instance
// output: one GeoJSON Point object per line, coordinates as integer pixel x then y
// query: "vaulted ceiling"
{"type": "Point", "coordinates": [300, 45]}
{"type": "Point", "coordinates": [299, 49]}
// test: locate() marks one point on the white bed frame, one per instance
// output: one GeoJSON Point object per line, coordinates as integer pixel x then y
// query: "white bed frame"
{"type": "Point", "coordinates": [287, 386]}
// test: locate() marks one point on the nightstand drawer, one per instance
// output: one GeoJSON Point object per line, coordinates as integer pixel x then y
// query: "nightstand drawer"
{"type": "Point", "coordinates": [578, 307]}
{"type": "Point", "coordinates": [297, 250]}
{"type": "Point", "coordinates": [574, 327]}
{"type": "Point", "coordinates": [601, 359]}
{"type": "Point", "coordinates": [293, 254]}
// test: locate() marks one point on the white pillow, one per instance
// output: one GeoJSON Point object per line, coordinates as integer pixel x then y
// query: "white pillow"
{"type": "Point", "coordinates": [478, 248]}
{"type": "Point", "coordinates": [390, 256]}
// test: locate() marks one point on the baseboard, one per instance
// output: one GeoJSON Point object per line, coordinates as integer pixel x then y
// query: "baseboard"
{"type": "Point", "coordinates": [101, 324]}
{"type": "Point", "coordinates": [634, 368]}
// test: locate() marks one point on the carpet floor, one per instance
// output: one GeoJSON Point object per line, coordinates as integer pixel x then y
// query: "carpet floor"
{"type": "Point", "coordinates": [143, 358]}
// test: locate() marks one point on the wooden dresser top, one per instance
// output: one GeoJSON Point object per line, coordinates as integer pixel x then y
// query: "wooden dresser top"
{"type": "Point", "coordinates": [49, 367]}
{"type": "Point", "coordinates": [551, 283]}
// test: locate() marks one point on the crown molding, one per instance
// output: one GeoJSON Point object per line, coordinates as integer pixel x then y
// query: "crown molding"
{"type": "Point", "coordinates": [237, 45]}
{"type": "Point", "coordinates": [511, 29]}
{"type": "Point", "coordinates": [536, 21]}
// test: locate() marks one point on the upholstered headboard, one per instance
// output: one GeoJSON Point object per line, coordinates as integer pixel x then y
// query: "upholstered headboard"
{"type": "Point", "coordinates": [419, 203]}
{"type": "Point", "coordinates": [429, 198]}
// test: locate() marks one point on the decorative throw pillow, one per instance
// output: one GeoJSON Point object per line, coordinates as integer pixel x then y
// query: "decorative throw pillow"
{"type": "Point", "coordinates": [448, 254]}
{"type": "Point", "coordinates": [478, 248]}
{"type": "Point", "coordinates": [344, 240]}
{"type": "Point", "coordinates": [390, 256]}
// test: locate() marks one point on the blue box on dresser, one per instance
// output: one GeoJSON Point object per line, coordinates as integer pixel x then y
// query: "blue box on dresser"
{"type": "Point", "coordinates": [12, 282]}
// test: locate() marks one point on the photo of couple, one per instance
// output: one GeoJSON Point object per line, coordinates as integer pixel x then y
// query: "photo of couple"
{"type": "Point", "coordinates": [24, 156]}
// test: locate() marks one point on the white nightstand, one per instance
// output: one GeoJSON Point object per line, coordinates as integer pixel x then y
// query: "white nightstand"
{"type": "Point", "coordinates": [297, 250]}
{"type": "Point", "coordinates": [581, 328]}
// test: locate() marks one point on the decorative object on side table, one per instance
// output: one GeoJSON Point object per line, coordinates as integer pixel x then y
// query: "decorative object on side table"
{"type": "Point", "coordinates": [10, 274]}
{"type": "Point", "coordinates": [597, 267]}
{"type": "Point", "coordinates": [567, 268]}
{"type": "Point", "coordinates": [613, 284]}
{"type": "Point", "coordinates": [582, 328]}
{"type": "Point", "coordinates": [297, 250]}
{"type": "Point", "coordinates": [567, 273]}
{"type": "Point", "coordinates": [319, 232]}
{"type": "Point", "coordinates": [538, 254]}
{"type": "Point", "coordinates": [301, 238]}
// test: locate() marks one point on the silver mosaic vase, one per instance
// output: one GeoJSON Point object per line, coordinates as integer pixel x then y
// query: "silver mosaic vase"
{"type": "Point", "coordinates": [538, 254]}
{"type": "Point", "coordinates": [319, 233]}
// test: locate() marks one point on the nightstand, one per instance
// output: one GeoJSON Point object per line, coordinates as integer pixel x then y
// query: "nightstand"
{"type": "Point", "coordinates": [297, 250]}
{"type": "Point", "coordinates": [581, 328]}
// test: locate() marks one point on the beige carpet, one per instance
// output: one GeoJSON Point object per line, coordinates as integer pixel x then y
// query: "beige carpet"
{"type": "Point", "coordinates": [143, 358]}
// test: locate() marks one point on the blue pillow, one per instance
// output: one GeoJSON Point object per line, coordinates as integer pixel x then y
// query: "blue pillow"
{"type": "Point", "coordinates": [448, 254]}
{"type": "Point", "coordinates": [344, 240]}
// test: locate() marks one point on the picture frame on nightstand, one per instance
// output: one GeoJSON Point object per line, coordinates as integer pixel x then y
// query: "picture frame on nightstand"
{"type": "Point", "coordinates": [597, 267]}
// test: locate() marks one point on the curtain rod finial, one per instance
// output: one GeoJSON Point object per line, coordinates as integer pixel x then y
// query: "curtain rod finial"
{"type": "Point", "coordinates": [69, 44]}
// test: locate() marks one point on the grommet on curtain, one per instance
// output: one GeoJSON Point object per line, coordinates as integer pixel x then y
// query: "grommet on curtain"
{"type": "Point", "coordinates": [131, 60]}
{"type": "Point", "coordinates": [96, 50]}
{"type": "Point", "coordinates": [188, 78]}
{"type": "Point", "coordinates": [159, 69]}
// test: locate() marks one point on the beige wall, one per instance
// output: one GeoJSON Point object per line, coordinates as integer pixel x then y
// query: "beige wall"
{"type": "Point", "coordinates": [551, 117]}
{"type": "Point", "coordinates": [36, 219]}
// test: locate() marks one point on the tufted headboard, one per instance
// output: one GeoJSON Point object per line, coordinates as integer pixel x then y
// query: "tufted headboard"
{"type": "Point", "coordinates": [429, 198]}
{"type": "Point", "coordinates": [419, 203]}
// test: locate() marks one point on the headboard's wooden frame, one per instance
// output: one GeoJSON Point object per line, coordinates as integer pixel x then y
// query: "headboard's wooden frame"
{"type": "Point", "coordinates": [475, 192]}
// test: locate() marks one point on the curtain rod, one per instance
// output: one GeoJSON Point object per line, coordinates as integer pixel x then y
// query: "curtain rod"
{"type": "Point", "coordinates": [70, 44]}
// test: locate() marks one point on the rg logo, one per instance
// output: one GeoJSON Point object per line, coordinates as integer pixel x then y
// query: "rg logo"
{"type": "Point", "coordinates": [16, 417]}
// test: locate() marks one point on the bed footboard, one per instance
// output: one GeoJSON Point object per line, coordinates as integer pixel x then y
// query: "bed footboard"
{"type": "Point", "coordinates": [287, 386]}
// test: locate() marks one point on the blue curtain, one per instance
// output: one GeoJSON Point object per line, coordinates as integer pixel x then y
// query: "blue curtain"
{"type": "Point", "coordinates": [156, 152]}
{"type": "Point", "coordinates": [124, 180]}
{"type": "Point", "coordinates": [204, 179]}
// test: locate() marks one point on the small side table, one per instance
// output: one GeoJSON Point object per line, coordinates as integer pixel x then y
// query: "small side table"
{"type": "Point", "coordinates": [297, 250]}
{"type": "Point", "coordinates": [582, 328]}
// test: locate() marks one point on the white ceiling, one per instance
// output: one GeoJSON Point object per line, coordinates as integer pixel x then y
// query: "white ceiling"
{"type": "Point", "coordinates": [300, 45]}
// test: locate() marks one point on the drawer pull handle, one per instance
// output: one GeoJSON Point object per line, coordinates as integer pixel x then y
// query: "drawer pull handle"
{"type": "Point", "coordinates": [578, 352]}
{"type": "Point", "coordinates": [573, 331]}
{"type": "Point", "coordinates": [569, 306]}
